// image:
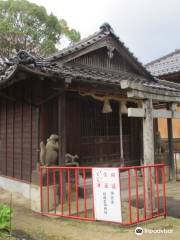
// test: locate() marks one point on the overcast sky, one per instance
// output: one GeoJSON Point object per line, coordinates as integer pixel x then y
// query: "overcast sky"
{"type": "Point", "coordinates": [150, 28]}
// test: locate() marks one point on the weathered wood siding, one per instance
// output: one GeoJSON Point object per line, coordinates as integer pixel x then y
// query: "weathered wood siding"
{"type": "Point", "coordinates": [176, 144]}
{"type": "Point", "coordinates": [99, 59]}
{"type": "Point", "coordinates": [94, 136]}
{"type": "Point", "coordinates": [73, 127]}
{"type": "Point", "coordinates": [18, 138]}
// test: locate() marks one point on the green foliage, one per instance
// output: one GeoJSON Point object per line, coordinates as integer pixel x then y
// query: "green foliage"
{"type": "Point", "coordinates": [27, 26]}
{"type": "Point", "coordinates": [73, 35]}
{"type": "Point", "coordinates": [5, 216]}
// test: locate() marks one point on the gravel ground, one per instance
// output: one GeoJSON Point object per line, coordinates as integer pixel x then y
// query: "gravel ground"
{"type": "Point", "coordinates": [32, 226]}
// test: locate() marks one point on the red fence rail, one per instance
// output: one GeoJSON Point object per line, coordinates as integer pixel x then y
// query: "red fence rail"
{"type": "Point", "coordinates": [68, 192]}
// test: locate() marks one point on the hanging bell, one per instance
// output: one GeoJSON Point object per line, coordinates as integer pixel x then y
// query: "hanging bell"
{"type": "Point", "coordinates": [107, 106]}
{"type": "Point", "coordinates": [124, 109]}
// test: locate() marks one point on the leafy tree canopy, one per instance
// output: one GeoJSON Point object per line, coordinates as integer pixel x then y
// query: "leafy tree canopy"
{"type": "Point", "coordinates": [27, 26]}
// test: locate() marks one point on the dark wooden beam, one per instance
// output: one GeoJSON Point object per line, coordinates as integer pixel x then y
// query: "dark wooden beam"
{"type": "Point", "coordinates": [41, 123]}
{"type": "Point", "coordinates": [121, 135]}
{"type": "Point", "coordinates": [62, 127]}
{"type": "Point", "coordinates": [170, 146]}
{"type": "Point", "coordinates": [62, 137]}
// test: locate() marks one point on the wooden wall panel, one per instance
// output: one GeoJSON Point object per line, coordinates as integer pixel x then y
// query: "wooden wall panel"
{"type": "Point", "coordinates": [10, 138]}
{"type": "Point", "coordinates": [73, 124]}
{"type": "Point", "coordinates": [19, 132]}
{"type": "Point", "coordinates": [3, 162]}
{"type": "Point", "coordinates": [26, 142]}
{"type": "Point", "coordinates": [18, 120]}
{"type": "Point", "coordinates": [35, 137]}
{"type": "Point", "coordinates": [99, 59]}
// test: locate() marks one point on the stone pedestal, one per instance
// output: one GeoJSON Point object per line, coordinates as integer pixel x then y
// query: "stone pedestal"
{"type": "Point", "coordinates": [36, 198]}
{"type": "Point", "coordinates": [35, 177]}
{"type": "Point", "coordinates": [36, 195]}
{"type": "Point", "coordinates": [162, 158]}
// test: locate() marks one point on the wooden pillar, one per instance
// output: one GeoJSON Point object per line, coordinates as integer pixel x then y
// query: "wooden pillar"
{"type": "Point", "coordinates": [121, 136]}
{"type": "Point", "coordinates": [132, 143]}
{"type": "Point", "coordinates": [62, 128]}
{"type": "Point", "coordinates": [170, 146]}
{"type": "Point", "coordinates": [42, 123]}
{"type": "Point", "coordinates": [148, 133]}
{"type": "Point", "coordinates": [148, 143]}
{"type": "Point", "coordinates": [62, 137]}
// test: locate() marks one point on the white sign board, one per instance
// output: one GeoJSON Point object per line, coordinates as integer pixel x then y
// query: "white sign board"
{"type": "Point", "coordinates": [106, 188]}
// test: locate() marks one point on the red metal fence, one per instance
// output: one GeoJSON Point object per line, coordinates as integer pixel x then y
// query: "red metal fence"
{"type": "Point", "coordinates": [68, 192]}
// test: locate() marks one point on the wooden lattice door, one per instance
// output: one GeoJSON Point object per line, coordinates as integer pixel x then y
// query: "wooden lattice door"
{"type": "Point", "coordinates": [99, 133]}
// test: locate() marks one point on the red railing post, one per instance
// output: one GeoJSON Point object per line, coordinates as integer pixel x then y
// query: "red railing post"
{"type": "Point", "coordinates": [157, 188]}
{"type": "Point", "coordinates": [137, 196]}
{"type": "Point", "coordinates": [149, 175]}
{"type": "Point", "coordinates": [151, 194]}
{"type": "Point", "coordinates": [129, 196]}
{"type": "Point", "coordinates": [164, 191]}
{"type": "Point", "coordinates": [47, 188]}
{"type": "Point", "coordinates": [84, 188]}
{"type": "Point", "coordinates": [54, 188]}
{"type": "Point", "coordinates": [41, 194]}
{"type": "Point", "coordinates": [61, 190]}
{"type": "Point", "coordinates": [69, 191]}
{"type": "Point", "coordinates": [76, 189]}
{"type": "Point", "coordinates": [144, 193]}
{"type": "Point", "coordinates": [93, 214]}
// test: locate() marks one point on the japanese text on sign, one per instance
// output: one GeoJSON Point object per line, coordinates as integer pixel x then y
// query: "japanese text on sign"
{"type": "Point", "coordinates": [106, 187]}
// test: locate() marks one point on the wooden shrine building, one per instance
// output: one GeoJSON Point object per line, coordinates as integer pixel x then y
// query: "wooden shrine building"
{"type": "Point", "coordinates": [94, 94]}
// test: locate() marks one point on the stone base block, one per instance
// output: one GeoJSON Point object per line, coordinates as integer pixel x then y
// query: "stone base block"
{"type": "Point", "coordinates": [36, 198]}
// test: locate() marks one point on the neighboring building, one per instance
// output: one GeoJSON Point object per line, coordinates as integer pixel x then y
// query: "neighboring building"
{"type": "Point", "coordinates": [168, 68]}
{"type": "Point", "coordinates": [82, 94]}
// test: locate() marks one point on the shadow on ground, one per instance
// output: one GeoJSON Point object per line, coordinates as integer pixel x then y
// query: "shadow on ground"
{"type": "Point", "coordinates": [173, 207]}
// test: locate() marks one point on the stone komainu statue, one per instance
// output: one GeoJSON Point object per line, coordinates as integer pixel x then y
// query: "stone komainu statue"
{"type": "Point", "coordinates": [49, 153]}
{"type": "Point", "coordinates": [69, 158]}
{"type": "Point", "coordinates": [159, 145]}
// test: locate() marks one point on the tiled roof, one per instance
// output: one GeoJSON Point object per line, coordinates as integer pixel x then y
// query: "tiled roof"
{"type": "Point", "coordinates": [104, 31]}
{"type": "Point", "coordinates": [167, 64]}
{"type": "Point", "coordinates": [80, 73]}
{"type": "Point", "coordinates": [50, 67]}
{"type": "Point", "coordinates": [6, 73]}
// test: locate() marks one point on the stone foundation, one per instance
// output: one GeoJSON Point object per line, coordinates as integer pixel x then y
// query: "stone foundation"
{"type": "Point", "coordinates": [31, 192]}
{"type": "Point", "coordinates": [36, 198]}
